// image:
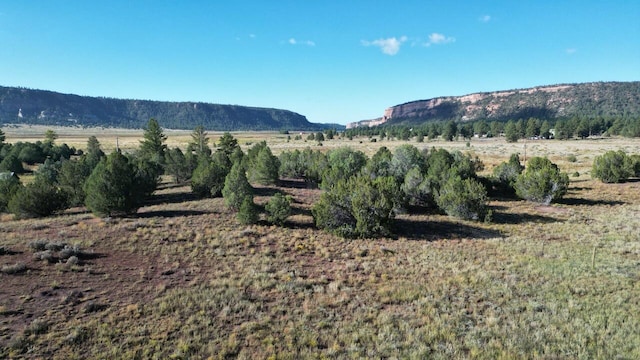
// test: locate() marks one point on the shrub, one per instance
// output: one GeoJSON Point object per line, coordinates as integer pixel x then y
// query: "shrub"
{"type": "Point", "coordinates": [69, 251]}
{"type": "Point", "coordinates": [46, 255]}
{"type": "Point", "coordinates": [635, 160]}
{"type": "Point", "coordinates": [542, 182]}
{"type": "Point", "coordinates": [506, 174]}
{"type": "Point", "coordinates": [612, 167]}
{"type": "Point", "coordinates": [262, 164]}
{"type": "Point", "coordinates": [11, 163]}
{"type": "Point", "coordinates": [48, 171]}
{"type": "Point", "coordinates": [379, 164]}
{"type": "Point", "coordinates": [38, 245]}
{"type": "Point", "coordinates": [14, 269]}
{"type": "Point", "coordinates": [278, 209]}
{"type": "Point", "coordinates": [37, 199]}
{"type": "Point", "coordinates": [146, 175]}
{"type": "Point", "coordinates": [343, 163]}
{"type": "Point", "coordinates": [418, 188]}
{"type": "Point", "coordinates": [71, 178]}
{"type": "Point", "coordinates": [358, 207]}
{"type": "Point", "coordinates": [405, 158]}
{"type": "Point", "coordinates": [177, 166]}
{"type": "Point", "coordinates": [113, 188]}
{"type": "Point", "coordinates": [308, 165]}
{"type": "Point", "coordinates": [208, 178]}
{"type": "Point", "coordinates": [31, 154]}
{"type": "Point", "coordinates": [8, 187]}
{"type": "Point", "coordinates": [236, 187]}
{"type": "Point", "coordinates": [463, 198]}
{"type": "Point", "coordinates": [248, 212]}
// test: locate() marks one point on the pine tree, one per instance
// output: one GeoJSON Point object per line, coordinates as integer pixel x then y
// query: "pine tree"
{"type": "Point", "coordinates": [264, 169]}
{"type": "Point", "coordinates": [227, 144]}
{"type": "Point", "coordinates": [94, 153]}
{"type": "Point", "coordinates": [236, 187]}
{"type": "Point", "coordinates": [8, 187]}
{"type": "Point", "coordinates": [71, 179]}
{"type": "Point", "coordinates": [511, 132]}
{"type": "Point", "coordinates": [200, 141]}
{"type": "Point", "coordinates": [153, 147]}
{"type": "Point", "coordinates": [177, 166]}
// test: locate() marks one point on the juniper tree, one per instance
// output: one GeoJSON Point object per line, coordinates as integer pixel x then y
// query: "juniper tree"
{"type": "Point", "coordinates": [114, 188]}
{"type": "Point", "coordinates": [236, 187]}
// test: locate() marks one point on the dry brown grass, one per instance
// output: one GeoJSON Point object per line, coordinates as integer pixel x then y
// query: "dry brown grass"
{"type": "Point", "coordinates": [182, 279]}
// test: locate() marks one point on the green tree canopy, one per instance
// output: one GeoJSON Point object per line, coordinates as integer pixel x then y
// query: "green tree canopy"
{"type": "Point", "coordinates": [37, 199]}
{"type": "Point", "coordinates": [152, 147]}
{"type": "Point", "coordinates": [236, 187]}
{"type": "Point", "coordinates": [113, 188]}
{"type": "Point", "coordinates": [227, 144]}
{"type": "Point", "coordinates": [200, 141]}
{"type": "Point", "coordinates": [541, 181]}
{"type": "Point", "coordinates": [612, 167]}
{"type": "Point", "coordinates": [358, 207]}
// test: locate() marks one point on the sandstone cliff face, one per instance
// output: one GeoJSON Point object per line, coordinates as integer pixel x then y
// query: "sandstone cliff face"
{"type": "Point", "coordinates": [544, 102]}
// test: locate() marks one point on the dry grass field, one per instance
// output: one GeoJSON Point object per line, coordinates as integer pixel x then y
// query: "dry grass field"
{"type": "Point", "coordinates": [183, 280]}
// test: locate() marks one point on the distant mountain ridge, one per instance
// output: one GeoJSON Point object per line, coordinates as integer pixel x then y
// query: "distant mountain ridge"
{"type": "Point", "coordinates": [606, 99]}
{"type": "Point", "coordinates": [27, 106]}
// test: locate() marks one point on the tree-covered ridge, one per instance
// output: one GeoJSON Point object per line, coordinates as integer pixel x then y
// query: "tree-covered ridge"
{"type": "Point", "coordinates": [19, 105]}
{"type": "Point", "coordinates": [587, 100]}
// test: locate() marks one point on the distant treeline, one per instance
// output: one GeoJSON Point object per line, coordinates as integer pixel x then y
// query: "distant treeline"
{"type": "Point", "coordinates": [565, 128]}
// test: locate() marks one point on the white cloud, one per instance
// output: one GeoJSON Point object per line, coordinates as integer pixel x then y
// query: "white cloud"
{"type": "Point", "coordinates": [438, 39]}
{"type": "Point", "coordinates": [253, 36]}
{"type": "Point", "coordinates": [389, 46]}
{"type": "Point", "coordinates": [485, 18]}
{"type": "Point", "coordinates": [571, 51]}
{"type": "Point", "coordinates": [293, 41]}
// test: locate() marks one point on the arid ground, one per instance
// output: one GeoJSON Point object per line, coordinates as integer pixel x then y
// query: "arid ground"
{"type": "Point", "coordinates": [182, 279]}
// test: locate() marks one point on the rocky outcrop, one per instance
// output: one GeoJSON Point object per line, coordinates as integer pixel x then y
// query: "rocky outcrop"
{"type": "Point", "coordinates": [543, 102]}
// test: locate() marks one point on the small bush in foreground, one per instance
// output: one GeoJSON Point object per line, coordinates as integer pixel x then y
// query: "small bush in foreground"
{"type": "Point", "coordinates": [248, 212]}
{"type": "Point", "coordinates": [612, 167]}
{"type": "Point", "coordinates": [8, 187]}
{"type": "Point", "coordinates": [208, 178]}
{"type": "Point", "coordinates": [635, 160]}
{"type": "Point", "coordinates": [38, 199]}
{"type": "Point", "coordinates": [507, 172]}
{"type": "Point", "coordinates": [14, 269]}
{"type": "Point", "coordinates": [463, 198]}
{"type": "Point", "coordinates": [542, 182]}
{"type": "Point", "coordinates": [358, 207]}
{"type": "Point", "coordinates": [278, 209]}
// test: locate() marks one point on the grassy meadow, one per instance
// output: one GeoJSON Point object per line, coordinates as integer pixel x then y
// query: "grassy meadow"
{"type": "Point", "coordinates": [183, 280]}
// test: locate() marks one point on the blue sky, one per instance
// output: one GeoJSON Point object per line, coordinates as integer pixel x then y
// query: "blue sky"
{"type": "Point", "coordinates": [332, 61]}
